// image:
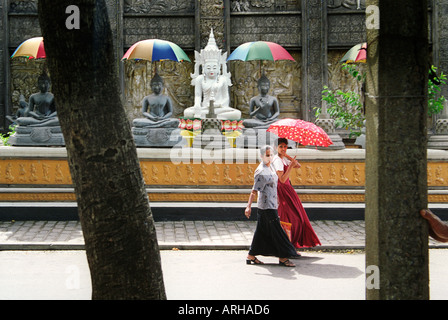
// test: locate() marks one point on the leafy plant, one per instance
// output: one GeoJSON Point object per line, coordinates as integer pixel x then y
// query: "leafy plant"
{"type": "Point", "coordinates": [351, 69]}
{"type": "Point", "coordinates": [345, 108]}
{"type": "Point", "coordinates": [435, 100]}
{"type": "Point", "coordinates": [5, 137]}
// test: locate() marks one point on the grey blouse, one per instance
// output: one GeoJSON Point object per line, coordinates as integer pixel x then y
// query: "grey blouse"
{"type": "Point", "coordinates": [265, 182]}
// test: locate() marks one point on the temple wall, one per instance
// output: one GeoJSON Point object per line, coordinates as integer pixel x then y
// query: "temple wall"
{"type": "Point", "coordinates": [41, 174]}
{"type": "Point", "coordinates": [188, 23]}
{"type": "Point", "coordinates": [316, 42]}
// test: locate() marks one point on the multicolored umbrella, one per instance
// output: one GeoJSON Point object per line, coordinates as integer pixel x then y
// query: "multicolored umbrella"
{"type": "Point", "coordinates": [155, 50]}
{"type": "Point", "coordinates": [32, 49]}
{"type": "Point", "coordinates": [356, 54]}
{"type": "Point", "coordinates": [260, 50]}
{"type": "Point", "coordinates": [303, 132]}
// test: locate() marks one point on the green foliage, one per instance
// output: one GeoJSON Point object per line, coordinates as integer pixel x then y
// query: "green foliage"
{"type": "Point", "coordinates": [347, 110]}
{"type": "Point", "coordinates": [5, 137]}
{"type": "Point", "coordinates": [435, 100]}
{"type": "Point", "coordinates": [351, 69]}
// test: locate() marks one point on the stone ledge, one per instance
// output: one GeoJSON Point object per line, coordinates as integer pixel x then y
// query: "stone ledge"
{"type": "Point", "coordinates": [303, 153]}
{"type": "Point", "coordinates": [176, 197]}
{"type": "Point", "coordinates": [207, 211]}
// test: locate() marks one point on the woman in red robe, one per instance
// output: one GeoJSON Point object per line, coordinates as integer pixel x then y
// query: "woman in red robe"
{"type": "Point", "coordinates": [290, 208]}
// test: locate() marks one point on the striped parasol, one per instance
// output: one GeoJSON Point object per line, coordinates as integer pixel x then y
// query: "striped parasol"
{"type": "Point", "coordinates": [32, 49]}
{"type": "Point", "coordinates": [155, 50]}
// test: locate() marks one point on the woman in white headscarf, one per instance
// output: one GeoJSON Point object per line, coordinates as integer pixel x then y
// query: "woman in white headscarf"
{"type": "Point", "coordinates": [269, 238]}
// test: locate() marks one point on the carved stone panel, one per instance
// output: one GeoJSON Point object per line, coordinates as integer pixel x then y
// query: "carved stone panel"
{"type": "Point", "coordinates": [347, 29]}
{"type": "Point", "coordinates": [285, 80]}
{"type": "Point", "coordinates": [264, 5]}
{"type": "Point", "coordinates": [179, 30]}
{"type": "Point", "coordinates": [341, 79]}
{"type": "Point", "coordinates": [24, 75]}
{"type": "Point", "coordinates": [347, 4]}
{"type": "Point", "coordinates": [218, 30]}
{"type": "Point", "coordinates": [211, 13]}
{"type": "Point", "coordinates": [23, 28]}
{"type": "Point", "coordinates": [166, 173]}
{"type": "Point", "coordinates": [23, 6]}
{"type": "Point", "coordinates": [158, 6]}
{"type": "Point", "coordinates": [176, 77]}
{"type": "Point", "coordinates": [282, 29]}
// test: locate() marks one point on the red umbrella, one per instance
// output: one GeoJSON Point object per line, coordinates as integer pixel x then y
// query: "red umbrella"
{"type": "Point", "coordinates": [303, 132]}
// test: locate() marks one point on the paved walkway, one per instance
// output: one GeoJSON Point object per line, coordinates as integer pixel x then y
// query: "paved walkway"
{"type": "Point", "coordinates": [29, 270]}
{"type": "Point", "coordinates": [191, 235]}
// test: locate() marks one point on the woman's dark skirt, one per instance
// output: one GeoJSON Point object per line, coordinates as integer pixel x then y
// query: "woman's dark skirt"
{"type": "Point", "coordinates": [269, 238]}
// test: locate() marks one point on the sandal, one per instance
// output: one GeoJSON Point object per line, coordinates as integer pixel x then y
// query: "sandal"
{"type": "Point", "coordinates": [254, 261]}
{"type": "Point", "coordinates": [286, 263]}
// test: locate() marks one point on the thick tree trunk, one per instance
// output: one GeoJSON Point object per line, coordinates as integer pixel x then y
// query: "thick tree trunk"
{"type": "Point", "coordinates": [114, 211]}
{"type": "Point", "coordinates": [396, 155]}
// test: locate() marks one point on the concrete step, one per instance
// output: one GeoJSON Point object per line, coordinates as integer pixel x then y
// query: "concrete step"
{"type": "Point", "coordinates": [178, 211]}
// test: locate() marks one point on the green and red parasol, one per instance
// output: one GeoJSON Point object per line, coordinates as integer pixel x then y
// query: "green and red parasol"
{"type": "Point", "coordinates": [357, 54]}
{"type": "Point", "coordinates": [32, 49]}
{"type": "Point", "coordinates": [260, 50]}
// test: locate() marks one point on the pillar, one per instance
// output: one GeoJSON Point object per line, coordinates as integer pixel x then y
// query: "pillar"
{"type": "Point", "coordinates": [4, 66]}
{"type": "Point", "coordinates": [210, 14]}
{"type": "Point", "coordinates": [315, 66]}
{"type": "Point", "coordinates": [440, 57]}
{"type": "Point", "coordinates": [314, 55]}
{"type": "Point", "coordinates": [396, 178]}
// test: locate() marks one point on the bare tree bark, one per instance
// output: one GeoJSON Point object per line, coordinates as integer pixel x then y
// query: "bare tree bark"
{"type": "Point", "coordinates": [114, 210]}
{"type": "Point", "coordinates": [396, 154]}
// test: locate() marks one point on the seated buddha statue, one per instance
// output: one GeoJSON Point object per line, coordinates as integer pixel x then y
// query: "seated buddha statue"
{"type": "Point", "coordinates": [41, 109]}
{"type": "Point", "coordinates": [157, 108]}
{"type": "Point", "coordinates": [264, 109]}
{"type": "Point", "coordinates": [212, 85]}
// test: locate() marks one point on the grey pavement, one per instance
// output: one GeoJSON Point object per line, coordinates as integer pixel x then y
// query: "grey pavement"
{"type": "Point", "coordinates": [201, 260]}
{"type": "Point", "coordinates": [184, 235]}
{"type": "Point", "coordinates": [208, 275]}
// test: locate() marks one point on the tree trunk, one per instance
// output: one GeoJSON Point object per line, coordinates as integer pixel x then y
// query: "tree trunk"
{"type": "Point", "coordinates": [396, 155]}
{"type": "Point", "coordinates": [114, 211]}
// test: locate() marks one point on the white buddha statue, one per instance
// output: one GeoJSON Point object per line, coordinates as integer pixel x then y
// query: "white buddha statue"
{"type": "Point", "coordinates": [211, 84]}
